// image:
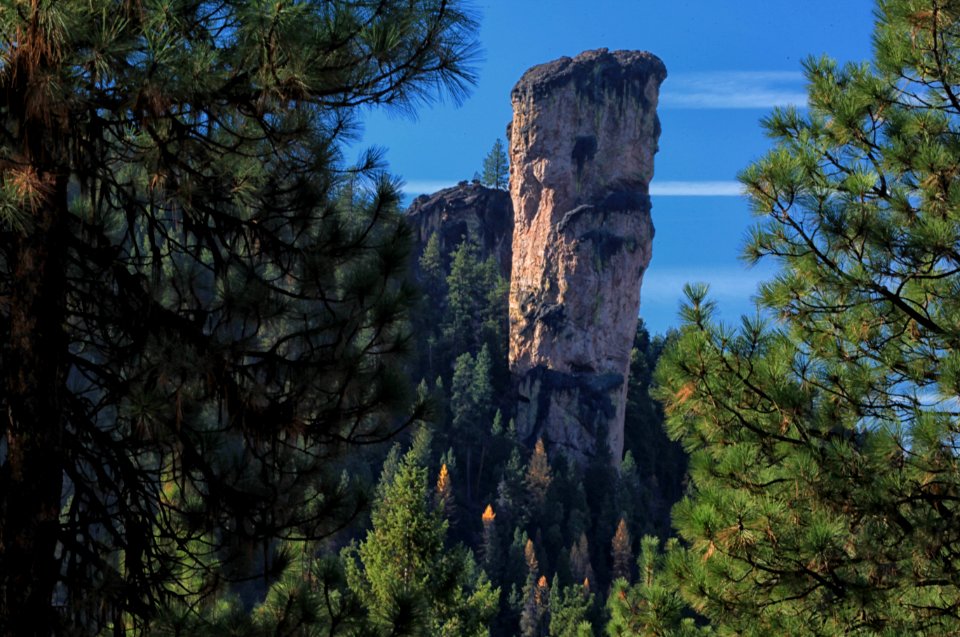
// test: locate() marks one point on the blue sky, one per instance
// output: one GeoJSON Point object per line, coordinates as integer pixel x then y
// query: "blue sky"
{"type": "Point", "coordinates": [728, 63]}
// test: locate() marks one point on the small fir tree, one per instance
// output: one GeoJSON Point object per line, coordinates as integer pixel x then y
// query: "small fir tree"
{"type": "Point", "coordinates": [466, 299]}
{"type": "Point", "coordinates": [539, 476]}
{"type": "Point", "coordinates": [404, 573]}
{"type": "Point", "coordinates": [580, 565]}
{"type": "Point", "coordinates": [622, 553]}
{"type": "Point", "coordinates": [443, 492]}
{"type": "Point", "coordinates": [461, 393]}
{"type": "Point", "coordinates": [489, 551]}
{"type": "Point", "coordinates": [431, 268]}
{"type": "Point", "coordinates": [511, 493]}
{"type": "Point", "coordinates": [433, 301]}
{"type": "Point", "coordinates": [535, 618]}
{"type": "Point", "coordinates": [530, 557]}
{"type": "Point", "coordinates": [496, 167]}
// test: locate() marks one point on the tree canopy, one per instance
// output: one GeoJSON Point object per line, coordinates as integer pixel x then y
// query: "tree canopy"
{"type": "Point", "coordinates": [202, 304]}
{"type": "Point", "coordinates": [823, 431]}
{"type": "Point", "coordinates": [404, 566]}
{"type": "Point", "coordinates": [496, 167]}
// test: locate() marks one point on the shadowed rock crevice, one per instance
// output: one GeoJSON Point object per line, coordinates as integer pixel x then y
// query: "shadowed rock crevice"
{"type": "Point", "coordinates": [582, 141]}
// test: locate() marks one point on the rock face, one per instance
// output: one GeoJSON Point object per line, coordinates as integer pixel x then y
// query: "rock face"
{"type": "Point", "coordinates": [469, 210]}
{"type": "Point", "coordinates": [582, 141]}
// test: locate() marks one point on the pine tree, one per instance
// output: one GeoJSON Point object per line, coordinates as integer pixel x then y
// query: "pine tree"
{"type": "Point", "coordinates": [466, 294]}
{"type": "Point", "coordinates": [471, 402]}
{"type": "Point", "coordinates": [496, 427]}
{"type": "Point", "coordinates": [443, 493]}
{"type": "Point", "coordinates": [481, 389]}
{"type": "Point", "coordinates": [489, 542]}
{"type": "Point", "coordinates": [433, 278]}
{"type": "Point", "coordinates": [495, 328]}
{"type": "Point", "coordinates": [471, 396]}
{"type": "Point", "coordinates": [476, 303]}
{"type": "Point", "coordinates": [482, 397]}
{"type": "Point", "coordinates": [621, 552]}
{"type": "Point", "coordinates": [535, 618]}
{"type": "Point", "coordinates": [404, 573]}
{"type": "Point", "coordinates": [824, 472]}
{"type": "Point", "coordinates": [660, 463]}
{"type": "Point", "coordinates": [580, 565]}
{"type": "Point", "coordinates": [511, 490]}
{"type": "Point", "coordinates": [461, 395]}
{"type": "Point", "coordinates": [530, 557]}
{"type": "Point", "coordinates": [542, 601]}
{"type": "Point", "coordinates": [431, 270]}
{"type": "Point", "coordinates": [539, 476]}
{"type": "Point", "coordinates": [516, 570]}
{"type": "Point", "coordinates": [496, 167]}
{"type": "Point", "coordinates": [531, 610]}
{"type": "Point", "coordinates": [570, 609]}
{"type": "Point", "coordinates": [191, 289]}
{"type": "Point", "coordinates": [653, 605]}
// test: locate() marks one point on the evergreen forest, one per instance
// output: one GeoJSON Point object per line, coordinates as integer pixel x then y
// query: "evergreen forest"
{"type": "Point", "coordinates": [238, 397]}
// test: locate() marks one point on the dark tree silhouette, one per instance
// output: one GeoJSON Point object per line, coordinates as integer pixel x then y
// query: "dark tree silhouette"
{"type": "Point", "coordinates": [201, 307]}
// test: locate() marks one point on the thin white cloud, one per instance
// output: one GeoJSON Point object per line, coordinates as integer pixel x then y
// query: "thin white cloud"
{"type": "Point", "coordinates": [734, 89]}
{"type": "Point", "coordinates": [425, 186]}
{"type": "Point", "coordinates": [665, 285]}
{"type": "Point", "coordinates": [695, 188]}
{"type": "Point", "coordinates": [657, 188]}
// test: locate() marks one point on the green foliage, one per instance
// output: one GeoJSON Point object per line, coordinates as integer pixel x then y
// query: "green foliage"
{"type": "Point", "coordinates": [476, 300]}
{"type": "Point", "coordinates": [404, 569]}
{"type": "Point", "coordinates": [653, 606]}
{"type": "Point", "coordinates": [309, 599]}
{"type": "Point", "coordinates": [471, 405]}
{"type": "Point", "coordinates": [496, 167]}
{"type": "Point", "coordinates": [570, 608]}
{"type": "Point", "coordinates": [431, 264]}
{"type": "Point", "coordinates": [461, 327]}
{"type": "Point", "coordinates": [471, 394]}
{"type": "Point", "coordinates": [824, 458]}
{"type": "Point", "coordinates": [654, 467]}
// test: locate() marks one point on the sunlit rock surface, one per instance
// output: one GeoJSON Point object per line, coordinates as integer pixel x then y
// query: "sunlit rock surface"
{"type": "Point", "coordinates": [582, 141]}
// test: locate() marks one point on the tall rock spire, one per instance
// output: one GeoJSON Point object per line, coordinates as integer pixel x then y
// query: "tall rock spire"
{"type": "Point", "coordinates": [582, 141]}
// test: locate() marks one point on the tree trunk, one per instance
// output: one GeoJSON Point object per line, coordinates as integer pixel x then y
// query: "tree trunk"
{"type": "Point", "coordinates": [33, 384]}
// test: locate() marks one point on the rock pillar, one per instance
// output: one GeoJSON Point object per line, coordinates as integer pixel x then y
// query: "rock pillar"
{"type": "Point", "coordinates": [582, 141]}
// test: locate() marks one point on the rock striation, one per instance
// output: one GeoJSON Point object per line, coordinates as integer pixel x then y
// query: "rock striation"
{"type": "Point", "coordinates": [582, 141]}
{"type": "Point", "coordinates": [468, 210]}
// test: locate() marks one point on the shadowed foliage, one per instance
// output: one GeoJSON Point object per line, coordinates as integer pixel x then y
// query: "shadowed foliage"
{"type": "Point", "coordinates": [201, 305]}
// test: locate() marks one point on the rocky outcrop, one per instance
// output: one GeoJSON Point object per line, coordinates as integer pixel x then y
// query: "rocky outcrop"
{"type": "Point", "coordinates": [582, 141]}
{"type": "Point", "coordinates": [468, 210]}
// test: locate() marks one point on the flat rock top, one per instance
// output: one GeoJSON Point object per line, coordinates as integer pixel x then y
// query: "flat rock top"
{"type": "Point", "coordinates": [591, 70]}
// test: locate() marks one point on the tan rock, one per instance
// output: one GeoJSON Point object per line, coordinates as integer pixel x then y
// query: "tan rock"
{"type": "Point", "coordinates": [582, 141]}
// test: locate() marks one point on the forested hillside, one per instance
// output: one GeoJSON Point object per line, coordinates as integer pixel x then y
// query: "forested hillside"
{"type": "Point", "coordinates": [244, 394]}
{"type": "Point", "coordinates": [552, 535]}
